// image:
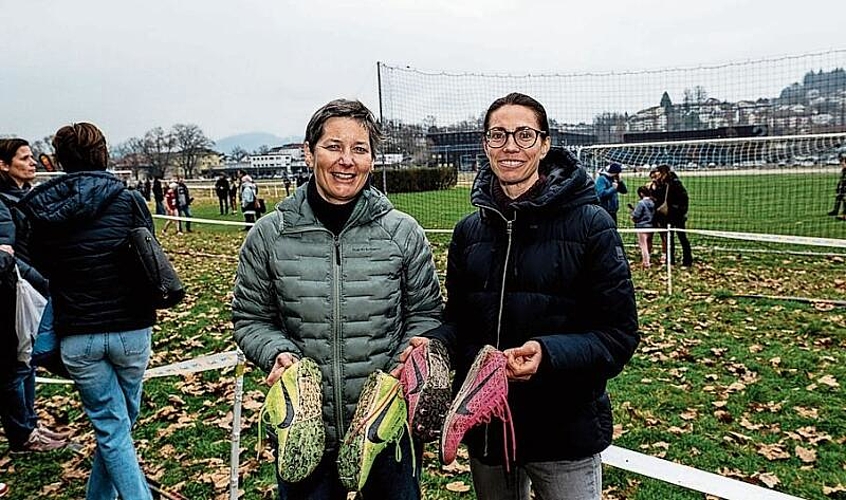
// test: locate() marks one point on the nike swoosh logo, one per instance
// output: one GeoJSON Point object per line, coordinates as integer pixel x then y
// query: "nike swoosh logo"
{"type": "Point", "coordinates": [373, 430]}
{"type": "Point", "coordinates": [289, 409]}
{"type": "Point", "coordinates": [462, 407]}
{"type": "Point", "coordinates": [418, 375]}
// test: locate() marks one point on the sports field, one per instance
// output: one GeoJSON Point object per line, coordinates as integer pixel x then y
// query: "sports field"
{"type": "Point", "coordinates": [750, 389]}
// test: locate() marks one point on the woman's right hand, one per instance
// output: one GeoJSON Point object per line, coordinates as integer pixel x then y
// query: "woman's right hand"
{"type": "Point", "coordinates": [412, 343]}
{"type": "Point", "coordinates": [8, 249]}
{"type": "Point", "coordinates": [283, 361]}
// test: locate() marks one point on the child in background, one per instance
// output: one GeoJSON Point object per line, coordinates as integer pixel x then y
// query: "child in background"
{"type": "Point", "coordinates": [170, 207]}
{"type": "Point", "coordinates": [642, 215]}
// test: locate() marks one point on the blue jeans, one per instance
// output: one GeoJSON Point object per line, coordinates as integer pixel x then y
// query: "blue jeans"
{"type": "Point", "coordinates": [18, 393]}
{"type": "Point", "coordinates": [18, 405]}
{"type": "Point", "coordinates": [108, 369]}
{"type": "Point", "coordinates": [562, 480]}
{"type": "Point", "coordinates": [388, 478]}
{"type": "Point", "coordinates": [160, 208]}
{"type": "Point", "coordinates": [184, 212]}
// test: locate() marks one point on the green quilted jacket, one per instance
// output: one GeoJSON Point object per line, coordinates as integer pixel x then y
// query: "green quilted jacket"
{"type": "Point", "coordinates": [350, 302]}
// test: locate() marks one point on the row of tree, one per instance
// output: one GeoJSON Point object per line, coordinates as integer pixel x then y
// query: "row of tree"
{"type": "Point", "coordinates": [158, 148]}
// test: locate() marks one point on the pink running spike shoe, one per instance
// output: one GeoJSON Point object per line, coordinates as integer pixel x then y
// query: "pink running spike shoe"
{"type": "Point", "coordinates": [425, 381]}
{"type": "Point", "coordinates": [483, 395]}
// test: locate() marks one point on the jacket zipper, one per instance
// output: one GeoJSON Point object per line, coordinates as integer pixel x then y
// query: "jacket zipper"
{"type": "Point", "coordinates": [336, 334]}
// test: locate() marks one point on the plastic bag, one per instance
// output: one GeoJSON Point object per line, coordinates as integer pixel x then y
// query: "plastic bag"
{"type": "Point", "coordinates": [29, 308]}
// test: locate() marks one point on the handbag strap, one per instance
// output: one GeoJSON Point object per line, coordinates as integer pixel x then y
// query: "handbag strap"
{"type": "Point", "coordinates": [138, 219]}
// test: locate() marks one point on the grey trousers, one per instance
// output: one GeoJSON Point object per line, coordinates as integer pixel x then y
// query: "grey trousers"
{"type": "Point", "coordinates": [563, 480]}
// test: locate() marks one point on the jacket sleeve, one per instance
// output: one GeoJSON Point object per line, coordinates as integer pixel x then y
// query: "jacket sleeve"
{"type": "Point", "coordinates": [423, 302]}
{"type": "Point", "coordinates": [461, 352]}
{"type": "Point", "coordinates": [254, 308]}
{"type": "Point", "coordinates": [610, 334]}
{"type": "Point", "coordinates": [604, 188]}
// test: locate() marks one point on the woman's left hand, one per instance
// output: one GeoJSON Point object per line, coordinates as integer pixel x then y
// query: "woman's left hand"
{"type": "Point", "coordinates": [523, 362]}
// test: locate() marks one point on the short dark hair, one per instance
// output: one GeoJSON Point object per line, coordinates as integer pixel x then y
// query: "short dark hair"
{"type": "Point", "coordinates": [518, 99]}
{"type": "Point", "coordinates": [9, 148]}
{"type": "Point", "coordinates": [344, 108]}
{"type": "Point", "coordinates": [81, 146]}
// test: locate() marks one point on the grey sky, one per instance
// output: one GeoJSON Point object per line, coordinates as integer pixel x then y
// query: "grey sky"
{"type": "Point", "coordinates": [259, 65]}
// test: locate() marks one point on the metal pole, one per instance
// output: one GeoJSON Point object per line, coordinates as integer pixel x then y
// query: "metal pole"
{"type": "Point", "coordinates": [235, 452]}
{"type": "Point", "coordinates": [668, 259]}
{"type": "Point", "coordinates": [382, 122]}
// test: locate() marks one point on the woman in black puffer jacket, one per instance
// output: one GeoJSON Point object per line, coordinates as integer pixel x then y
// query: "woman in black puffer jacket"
{"type": "Point", "coordinates": [538, 272]}
{"type": "Point", "coordinates": [79, 224]}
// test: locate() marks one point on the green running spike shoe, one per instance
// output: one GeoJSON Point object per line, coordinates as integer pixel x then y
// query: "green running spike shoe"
{"type": "Point", "coordinates": [293, 414]}
{"type": "Point", "coordinates": [380, 419]}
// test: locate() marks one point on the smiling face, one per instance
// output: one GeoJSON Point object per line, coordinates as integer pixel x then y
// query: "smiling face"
{"type": "Point", "coordinates": [515, 167]}
{"type": "Point", "coordinates": [22, 167]}
{"type": "Point", "coordinates": [341, 159]}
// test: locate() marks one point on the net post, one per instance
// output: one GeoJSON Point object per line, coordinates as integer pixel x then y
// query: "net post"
{"type": "Point", "coordinates": [669, 260]}
{"type": "Point", "coordinates": [235, 452]}
{"type": "Point", "coordinates": [382, 123]}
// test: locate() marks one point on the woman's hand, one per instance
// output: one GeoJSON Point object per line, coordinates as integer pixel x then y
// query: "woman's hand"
{"type": "Point", "coordinates": [412, 343]}
{"type": "Point", "coordinates": [283, 361]}
{"type": "Point", "coordinates": [523, 362]}
{"type": "Point", "coordinates": [8, 249]}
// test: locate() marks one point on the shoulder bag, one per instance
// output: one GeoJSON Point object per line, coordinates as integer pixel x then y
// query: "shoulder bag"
{"type": "Point", "coordinates": [664, 208]}
{"type": "Point", "coordinates": [156, 272]}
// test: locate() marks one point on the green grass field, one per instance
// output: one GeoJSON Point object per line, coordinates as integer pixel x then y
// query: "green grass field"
{"type": "Point", "coordinates": [750, 389]}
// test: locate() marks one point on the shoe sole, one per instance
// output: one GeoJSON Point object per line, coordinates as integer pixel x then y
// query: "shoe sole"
{"type": "Point", "coordinates": [435, 395]}
{"type": "Point", "coordinates": [304, 442]}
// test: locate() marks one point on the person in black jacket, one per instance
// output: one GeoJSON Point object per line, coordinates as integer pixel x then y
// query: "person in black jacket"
{"type": "Point", "coordinates": [17, 375]}
{"type": "Point", "coordinates": [538, 272]}
{"type": "Point", "coordinates": [666, 186]}
{"type": "Point", "coordinates": [102, 314]}
{"type": "Point", "coordinates": [221, 188]}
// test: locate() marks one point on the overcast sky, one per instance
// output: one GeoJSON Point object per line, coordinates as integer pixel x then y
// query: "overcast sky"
{"type": "Point", "coordinates": [260, 65]}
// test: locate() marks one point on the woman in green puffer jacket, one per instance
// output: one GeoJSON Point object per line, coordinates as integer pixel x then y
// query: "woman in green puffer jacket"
{"type": "Point", "coordinates": [337, 275]}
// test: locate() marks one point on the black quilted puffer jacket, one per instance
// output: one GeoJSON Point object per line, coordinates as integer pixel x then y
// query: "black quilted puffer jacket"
{"type": "Point", "coordinates": [559, 271]}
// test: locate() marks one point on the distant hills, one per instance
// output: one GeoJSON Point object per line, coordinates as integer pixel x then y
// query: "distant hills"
{"type": "Point", "coordinates": [252, 141]}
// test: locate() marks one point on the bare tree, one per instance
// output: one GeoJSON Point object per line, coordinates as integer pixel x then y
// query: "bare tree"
{"type": "Point", "coordinates": [158, 149]}
{"type": "Point", "coordinates": [130, 154]}
{"type": "Point", "coordinates": [238, 153]}
{"type": "Point", "coordinates": [190, 143]}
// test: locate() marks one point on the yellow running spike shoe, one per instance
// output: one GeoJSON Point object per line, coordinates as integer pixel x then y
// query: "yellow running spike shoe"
{"type": "Point", "coordinates": [293, 414]}
{"type": "Point", "coordinates": [380, 419]}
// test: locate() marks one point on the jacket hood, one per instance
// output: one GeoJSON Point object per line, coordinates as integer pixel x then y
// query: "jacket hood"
{"type": "Point", "coordinates": [567, 184]}
{"type": "Point", "coordinates": [72, 197]}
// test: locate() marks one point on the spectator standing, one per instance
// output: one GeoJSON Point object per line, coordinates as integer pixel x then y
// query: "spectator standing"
{"type": "Point", "coordinates": [102, 315]}
{"type": "Point", "coordinates": [608, 185]}
{"type": "Point", "coordinates": [233, 195]}
{"type": "Point", "coordinates": [171, 207]}
{"type": "Point", "coordinates": [147, 189]}
{"type": "Point", "coordinates": [221, 189]}
{"type": "Point", "coordinates": [249, 198]}
{"type": "Point", "coordinates": [539, 273]}
{"type": "Point", "coordinates": [840, 190]}
{"type": "Point", "coordinates": [668, 187]}
{"type": "Point", "coordinates": [158, 196]}
{"type": "Point", "coordinates": [183, 203]}
{"type": "Point", "coordinates": [287, 186]}
{"type": "Point", "coordinates": [642, 216]}
{"type": "Point", "coordinates": [17, 378]}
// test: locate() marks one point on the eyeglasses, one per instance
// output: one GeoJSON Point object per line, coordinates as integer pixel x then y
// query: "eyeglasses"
{"type": "Point", "coordinates": [524, 137]}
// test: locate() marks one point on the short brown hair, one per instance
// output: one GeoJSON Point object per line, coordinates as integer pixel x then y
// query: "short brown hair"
{"type": "Point", "coordinates": [81, 146]}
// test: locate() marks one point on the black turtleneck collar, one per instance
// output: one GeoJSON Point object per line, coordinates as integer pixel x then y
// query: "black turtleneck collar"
{"type": "Point", "coordinates": [334, 217]}
{"type": "Point", "coordinates": [506, 204]}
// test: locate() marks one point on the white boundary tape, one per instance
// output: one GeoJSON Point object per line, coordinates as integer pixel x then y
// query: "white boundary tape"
{"type": "Point", "coordinates": [688, 477]}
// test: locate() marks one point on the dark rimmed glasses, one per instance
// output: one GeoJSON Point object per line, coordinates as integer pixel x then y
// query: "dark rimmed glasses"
{"type": "Point", "coordinates": [524, 137]}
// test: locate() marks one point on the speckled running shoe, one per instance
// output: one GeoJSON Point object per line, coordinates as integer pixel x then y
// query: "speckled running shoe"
{"type": "Point", "coordinates": [483, 395]}
{"type": "Point", "coordinates": [425, 381]}
{"type": "Point", "coordinates": [293, 414]}
{"type": "Point", "coordinates": [380, 419]}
